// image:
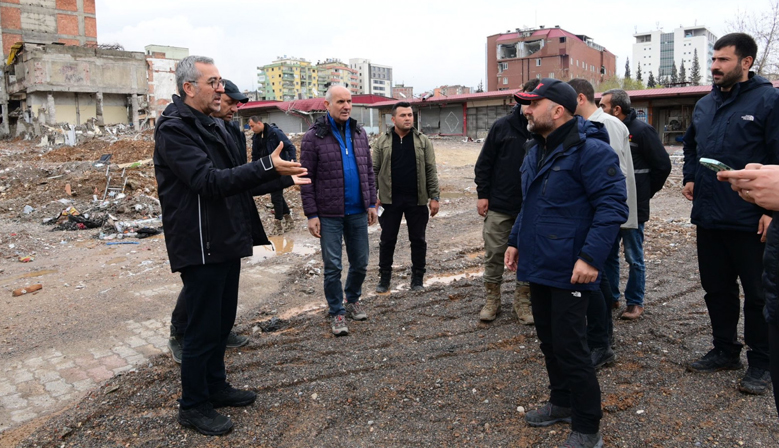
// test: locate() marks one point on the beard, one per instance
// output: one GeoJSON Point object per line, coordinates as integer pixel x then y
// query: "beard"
{"type": "Point", "coordinates": [541, 127]}
{"type": "Point", "coordinates": [730, 78]}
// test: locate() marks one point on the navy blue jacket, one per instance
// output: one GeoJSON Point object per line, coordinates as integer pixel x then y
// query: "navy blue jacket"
{"type": "Point", "coordinates": [273, 136]}
{"type": "Point", "coordinates": [573, 205]}
{"type": "Point", "coordinates": [203, 183]}
{"type": "Point", "coordinates": [737, 129]}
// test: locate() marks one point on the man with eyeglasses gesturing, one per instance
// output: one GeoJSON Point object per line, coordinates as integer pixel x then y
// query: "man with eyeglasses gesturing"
{"type": "Point", "coordinates": [210, 223]}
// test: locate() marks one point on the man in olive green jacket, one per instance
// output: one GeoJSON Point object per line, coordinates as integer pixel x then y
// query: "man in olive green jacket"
{"type": "Point", "coordinates": [406, 179]}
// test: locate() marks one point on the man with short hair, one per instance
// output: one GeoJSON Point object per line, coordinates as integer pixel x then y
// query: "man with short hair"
{"type": "Point", "coordinates": [265, 139]}
{"type": "Point", "coordinates": [210, 223]}
{"type": "Point", "coordinates": [601, 328]}
{"type": "Point", "coordinates": [736, 124]}
{"type": "Point", "coordinates": [406, 177]}
{"type": "Point", "coordinates": [651, 165]}
{"type": "Point", "coordinates": [340, 202]}
{"type": "Point", "coordinates": [499, 192]}
{"type": "Point", "coordinates": [573, 202]}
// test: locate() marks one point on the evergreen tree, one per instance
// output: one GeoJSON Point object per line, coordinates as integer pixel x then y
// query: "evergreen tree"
{"type": "Point", "coordinates": [674, 74]}
{"type": "Point", "coordinates": [480, 89]}
{"type": "Point", "coordinates": [638, 72]}
{"type": "Point", "coordinates": [651, 81]}
{"type": "Point", "coordinates": [627, 68]}
{"type": "Point", "coordinates": [682, 73]}
{"type": "Point", "coordinates": [695, 73]}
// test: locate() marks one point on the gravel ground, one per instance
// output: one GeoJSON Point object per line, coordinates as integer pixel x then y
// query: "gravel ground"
{"type": "Point", "coordinates": [423, 370]}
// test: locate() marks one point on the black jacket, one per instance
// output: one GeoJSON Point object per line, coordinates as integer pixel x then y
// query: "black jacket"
{"type": "Point", "coordinates": [736, 129]}
{"type": "Point", "coordinates": [651, 163]}
{"type": "Point", "coordinates": [497, 168]}
{"type": "Point", "coordinates": [203, 183]}
{"type": "Point", "coordinates": [273, 136]}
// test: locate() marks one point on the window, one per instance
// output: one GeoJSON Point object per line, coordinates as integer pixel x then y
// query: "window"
{"type": "Point", "coordinates": [505, 81]}
{"type": "Point", "coordinates": [562, 40]}
{"type": "Point", "coordinates": [551, 75]}
{"type": "Point", "coordinates": [538, 62]}
{"type": "Point", "coordinates": [503, 66]}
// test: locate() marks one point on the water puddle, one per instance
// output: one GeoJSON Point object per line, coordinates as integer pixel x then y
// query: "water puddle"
{"type": "Point", "coordinates": [279, 245]}
{"type": "Point", "coordinates": [447, 279]}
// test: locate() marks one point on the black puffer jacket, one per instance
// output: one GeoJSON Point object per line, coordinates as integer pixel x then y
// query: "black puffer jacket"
{"type": "Point", "coordinates": [497, 168]}
{"type": "Point", "coordinates": [203, 183]}
{"type": "Point", "coordinates": [262, 147]}
{"type": "Point", "coordinates": [651, 163]}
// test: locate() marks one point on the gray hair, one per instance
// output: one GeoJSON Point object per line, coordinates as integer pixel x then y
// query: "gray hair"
{"type": "Point", "coordinates": [619, 98]}
{"type": "Point", "coordinates": [329, 93]}
{"type": "Point", "coordinates": [187, 72]}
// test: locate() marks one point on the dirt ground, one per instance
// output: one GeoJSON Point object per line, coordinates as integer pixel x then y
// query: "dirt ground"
{"type": "Point", "coordinates": [421, 371]}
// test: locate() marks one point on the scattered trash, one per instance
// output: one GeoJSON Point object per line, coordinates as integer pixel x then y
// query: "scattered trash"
{"type": "Point", "coordinates": [122, 226]}
{"type": "Point", "coordinates": [28, 209]}
{"type": "Point", "coordinates": [102, 161]}
{"type": "Point", "coordinates": [274, 324]}
{"type": "Point", "coordinates": [113, 243]}
{"type": "Point", "coordinates": [26, 259]}
{"type": "Point", "coordinates": [27, 290]}
{"type": "Point", "coordinates": [68, 190]}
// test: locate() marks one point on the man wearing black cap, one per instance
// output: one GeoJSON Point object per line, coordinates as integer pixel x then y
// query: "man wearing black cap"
{"type": "Point", "coordinates": [573, 202]}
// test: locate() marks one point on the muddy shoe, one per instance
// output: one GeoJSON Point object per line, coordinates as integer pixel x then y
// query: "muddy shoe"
{"type": "Point", "coordinates": [522, 304]}
{"type": "Point", "coordinates": [491, 309]}
{"type": "Point", "coordinates": [579, 440]}
{"type": "Point", "coordinates": [714, 361]}
{"type": "Point", "coordinates": [547, 415]}
{"type": "Point", "coordinates": [205, 420]}
{"type": "Point", "coordinates": [384, 281]}
{"type": "Point", "coordinates": [278, 226]}
{"type": "Point", "coordinates": [289, 223]}
{"type": "Point", "coordinates": [355, 311]}
{"type": "Point", "coordinates": [235, 340]}
{"type": "Point", "coordinates": [756, 381]}
{"type": "Point", "coordinates": [339, 325]}
{"type": "Point", "coordinates": [417, 276]}
{"type": "Point", "coordinates": [230, 396]}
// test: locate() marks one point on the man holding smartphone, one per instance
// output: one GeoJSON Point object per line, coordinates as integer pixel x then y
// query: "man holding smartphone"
{"type": "Point", "coordinates": [736, 124]}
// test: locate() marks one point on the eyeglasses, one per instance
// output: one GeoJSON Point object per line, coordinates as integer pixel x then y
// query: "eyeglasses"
{"type": "Point", "coordinates": [214, 83]}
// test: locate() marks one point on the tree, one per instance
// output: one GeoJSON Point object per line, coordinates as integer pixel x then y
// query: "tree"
{"type": "Point", "coordinates": [674, 74]}
{"type": "Point", "coordinates": [764, 28]}
{"type": "Point", "coordinates": [638, 72]}
{"type": "Point", "coordinates": [632, 84]}
{"type": "Point", "coordinates": [651, 81]}
{"type": "Point", "coordinates": [695, 73]}
{"type": "Point", "coordinates": [627, 68]}
{"type": "Point", "coordinates": [682, 73]}
{"type": "Point", "coordinates": [480, 89]}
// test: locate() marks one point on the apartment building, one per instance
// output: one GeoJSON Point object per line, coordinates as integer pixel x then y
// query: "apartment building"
{"type": "Point", "coordinates": [288, 78]}
{"type": "Point", "coordinates": [515, 57]}
{"type": "Point", "coordinates": [373, 79]}
{"type": "Point", "coordinates": [657, 51]}
{"type": "Point", "coordinates": [69, 22]}
{"type": "Point", "coordinates": [334, 72]}
{"type": "Point", "coordinates": [402, 92]}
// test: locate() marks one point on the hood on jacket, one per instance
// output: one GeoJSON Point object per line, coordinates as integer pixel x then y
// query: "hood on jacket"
{"type": "Point", "coordinates": [583, 129]}
{"type": "Point", "coordinates": [322, 127]}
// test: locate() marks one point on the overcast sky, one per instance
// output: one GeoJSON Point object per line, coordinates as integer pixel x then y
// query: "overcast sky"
{"type": "Point", "coordinates": [427, 43]}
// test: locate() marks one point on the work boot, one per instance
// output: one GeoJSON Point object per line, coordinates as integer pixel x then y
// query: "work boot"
{"type": "Point", "coordinates": [205, 420]}
{"type": "Point", "coordinates": [230, 396]}
{"type": "Point", "coordinates": [175, 345]}
{"type": "Point", "coordinates": [714, 361]}
{"type": "Point", "coordinates": [289, 222]}
{"type": "Point", "coordinates": [417, 276]}
{"type": "Point", "coordinates": [579, 440]}
{"type": "Point", "coordinates": [522, 304]}
{"type": "Point", "coordinates": [547, 415]}
{"type": "Point", "coordinates": [235, 340]}
{"type": "Point", "coordinates": [632, 312]}
{"type": "Point", "coordinates": [491, 309]}
{"type": "Point", "coordinates": [278, 226]}
{"type": "Point", "coordinates": [384, 280]}
{"type": "Point", "coordinates": [756, 381]}
{"type": "Point", "coordinates": [602, 356]}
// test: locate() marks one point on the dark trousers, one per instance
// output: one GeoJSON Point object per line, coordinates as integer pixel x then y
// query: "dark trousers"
{"type": "Point", "coordinates": [600, 327]}
{"type": "Point", "coordinates": [723, 257]}
{"type": "Point", "coordinates": [280, 207]}
{"type": "Point", "coordinates": [179, 316]}
{"type": "Point", "coordinates": [211, 296]}
{"type": "Point", "coordinates": [416, 220]}
{"type": "Point", "coordinates": [560, 317]}
{"type": "Point", "coordinates": [773, 333]}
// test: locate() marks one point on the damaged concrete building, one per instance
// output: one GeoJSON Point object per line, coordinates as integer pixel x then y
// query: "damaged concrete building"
{"type": "Point", "coordinates": [56, 84]}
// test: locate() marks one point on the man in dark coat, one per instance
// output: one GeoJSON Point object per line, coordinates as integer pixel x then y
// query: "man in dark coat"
{"type": "Point", "coordinates": [736, 124]}
{"type": "Point", "coordinates": [210, 222]}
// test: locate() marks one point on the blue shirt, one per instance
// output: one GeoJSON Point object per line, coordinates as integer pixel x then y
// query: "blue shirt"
{"type": "Point", "coordinates": [352, 195]}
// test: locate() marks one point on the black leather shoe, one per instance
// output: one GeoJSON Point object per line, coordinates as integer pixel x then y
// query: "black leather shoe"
{"type": "Point", "coordinates": [230, 396]}
{"type": "Point", "coordinates": [714, 361]}
{"type": "Point", "coordinates": [205, 420]}
{"type": "Point", "coordinates": [602, 356]}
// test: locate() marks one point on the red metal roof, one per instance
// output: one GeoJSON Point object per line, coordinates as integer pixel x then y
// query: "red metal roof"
{"type": "Point", "coordinates": [462, 98]}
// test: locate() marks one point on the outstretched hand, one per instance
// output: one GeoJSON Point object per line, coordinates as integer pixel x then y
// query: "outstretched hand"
{"type": "Point", "coordinates": [284, 167]}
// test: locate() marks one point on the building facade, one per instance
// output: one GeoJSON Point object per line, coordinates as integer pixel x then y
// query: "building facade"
{"type": "Point", "coordinates": [69, 22]}
{"type": "Point", "coordinates": [287, 79]}
{"type": "Point", "coordinates": [161, 62]}
{"type": "Point", "coordinates": [402, 92]}
{"type": "Point", "coordinates": [373, 79]}
{"type": "Point", "coordinates": [657, 51]}
{"type": "Point", "coordinates": [334, 72]}
{"type": "Point", "coordinates": [515, 57]}
{"type": "Point", "coordinates": [451, 90]}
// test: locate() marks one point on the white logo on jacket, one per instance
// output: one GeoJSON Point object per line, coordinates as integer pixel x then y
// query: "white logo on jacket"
{"type": "Point", "coordinates": [748, 118]}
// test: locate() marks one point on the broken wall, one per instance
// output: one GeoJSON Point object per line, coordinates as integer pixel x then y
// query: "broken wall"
{"type": "Point", "coordinates": [162, 84]}
{"type": "Point", "coordinates": [78, 108]}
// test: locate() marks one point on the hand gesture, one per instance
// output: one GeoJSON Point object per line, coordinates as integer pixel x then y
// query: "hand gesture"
{"type": "Point", "coordinates": [284, 167]}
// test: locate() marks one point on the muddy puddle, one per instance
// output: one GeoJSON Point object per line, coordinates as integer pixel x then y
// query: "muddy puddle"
{"type": "Point", "coordinates": [280, 245]}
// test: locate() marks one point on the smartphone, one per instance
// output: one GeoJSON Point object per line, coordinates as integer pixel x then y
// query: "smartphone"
{"type": "Point", "coordinates": [714, 165]}
{"type": "Point", "coordinates": [380, 211]}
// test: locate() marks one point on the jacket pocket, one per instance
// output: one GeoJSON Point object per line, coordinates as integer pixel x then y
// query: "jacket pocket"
{"type": "Point", "coordinates": [555, 254]}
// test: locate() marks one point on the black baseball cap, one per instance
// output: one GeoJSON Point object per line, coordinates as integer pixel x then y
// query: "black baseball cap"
{"type": "Point", "coordinates": [232, 91]}
{"type": "Point", "coordinates": [552, 89]}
